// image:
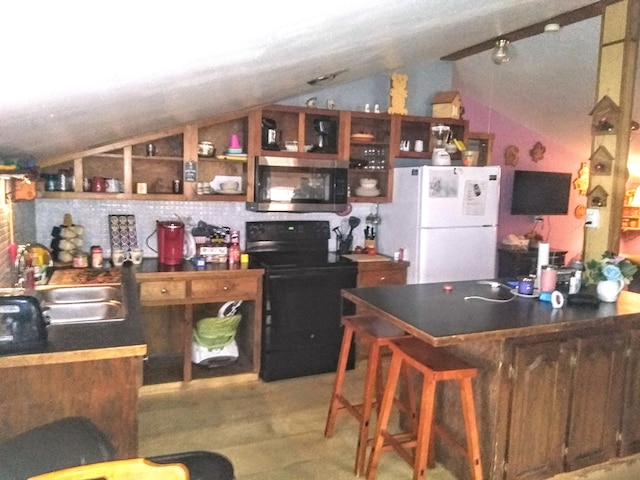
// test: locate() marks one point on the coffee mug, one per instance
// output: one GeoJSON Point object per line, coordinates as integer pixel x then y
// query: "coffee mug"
{"type": "Point", "coordinates": [111, 185]}
{"type": "Point", "coordinates": [118, 257]}
{"type": "Point", "coordinates": [405, 145]}
{"type": "Point", "coordinates": [136, 256]}
{"type": "Point", "coordinates": [98, 184]}
{"type": "Point", "coordinates": [419, 147]}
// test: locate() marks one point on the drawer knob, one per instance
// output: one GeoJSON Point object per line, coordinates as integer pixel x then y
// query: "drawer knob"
{"type": "Point", "coordinates": [225, 288]}
{"type": "Point", "coordinates": [382, 279]}
{"type": "Point", "coordinates": [164, 290]}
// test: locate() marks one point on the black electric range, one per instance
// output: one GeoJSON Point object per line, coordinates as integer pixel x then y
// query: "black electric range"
{"type": "Point", "coordinates": [302, 304]}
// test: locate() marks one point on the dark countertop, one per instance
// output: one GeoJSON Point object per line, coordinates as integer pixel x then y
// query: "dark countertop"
{"type": "Point", "coordinates": [151, 267]}
{"type": "Point", "coordinates": [446, 318]}
{"type": "Point", "coordinates": [92, 341]}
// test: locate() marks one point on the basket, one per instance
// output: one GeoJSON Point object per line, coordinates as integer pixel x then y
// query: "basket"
{"type": "Point", "coordinates": [216, 332]}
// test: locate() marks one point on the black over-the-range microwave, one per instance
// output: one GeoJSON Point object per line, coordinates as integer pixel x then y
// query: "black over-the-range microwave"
{"type": "Point", "coordinates": [285, 184]}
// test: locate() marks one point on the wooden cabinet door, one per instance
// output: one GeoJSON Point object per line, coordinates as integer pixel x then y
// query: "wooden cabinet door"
{"type": "Point", "coordinates": [630, 426]}
{"type": "Point", "coordinates": [539, 410]}
{"type": "Point", "coordinates": [596, 400]}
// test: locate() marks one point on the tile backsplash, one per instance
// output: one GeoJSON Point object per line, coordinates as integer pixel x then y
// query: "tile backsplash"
{"type": "Point", "coordinates": [93, 215]}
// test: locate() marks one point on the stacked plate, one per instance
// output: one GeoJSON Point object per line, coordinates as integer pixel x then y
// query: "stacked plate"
{"type": "Point", "coordinates": [367, 191]}
{"type": "Point", "coordinates": [368, 188]}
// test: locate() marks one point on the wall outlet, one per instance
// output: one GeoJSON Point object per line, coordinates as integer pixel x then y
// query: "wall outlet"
{"type": "Point", "coordinates": [592, 219]}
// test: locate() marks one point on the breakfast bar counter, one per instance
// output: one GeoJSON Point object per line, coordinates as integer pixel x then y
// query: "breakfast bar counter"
{"type": "Point", "coordinates": [557, 390]}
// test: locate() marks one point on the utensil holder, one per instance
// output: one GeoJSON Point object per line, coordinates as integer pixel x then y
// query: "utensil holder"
{"type": "Point", "coordinates": [344, 246]}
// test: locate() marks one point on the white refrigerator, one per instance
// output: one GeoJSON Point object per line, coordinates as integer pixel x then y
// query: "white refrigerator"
{"type": "Point", "coordinates": [445, 219]}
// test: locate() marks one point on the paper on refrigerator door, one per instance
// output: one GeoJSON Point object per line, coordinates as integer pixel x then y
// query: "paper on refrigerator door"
{"type": "Point", "coordinates": [475, 197]}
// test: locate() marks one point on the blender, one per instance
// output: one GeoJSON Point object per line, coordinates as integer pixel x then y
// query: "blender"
{"type": "Point", "coordinates": [439, 137]}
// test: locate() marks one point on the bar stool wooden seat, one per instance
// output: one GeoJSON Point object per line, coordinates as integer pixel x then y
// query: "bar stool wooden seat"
{"type": "Point", "coordinates": [377, 334]}
{"type": "Point", "coordinates": [435, 365]}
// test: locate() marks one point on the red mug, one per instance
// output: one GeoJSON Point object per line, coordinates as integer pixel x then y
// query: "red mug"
{"type": "Point", "coordinates": [98, 184]}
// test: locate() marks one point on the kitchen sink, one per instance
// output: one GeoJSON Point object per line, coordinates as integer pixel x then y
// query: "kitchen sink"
{"type": "Point", "coordinates": [64, 305]}
{"type": "Point", "coordinates": [80, 294]}
{"type": "Point", "coordinates": [84, 312]}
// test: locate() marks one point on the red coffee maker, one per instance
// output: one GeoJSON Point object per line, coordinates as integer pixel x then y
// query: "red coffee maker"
{"type": "Point", "coordinates": [170, 242]}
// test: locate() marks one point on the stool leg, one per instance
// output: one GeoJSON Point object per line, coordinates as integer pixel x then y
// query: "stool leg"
{"type": "Point", "coordinates": [409, 379]}
{"type": "Point", "coordinates": [471, 428]}
{"type": "Point", "coordinates": [370, 387]}
{"type": "Point", "coordinates": [423, 443]}
{"type": "Point", "coordinates": [385, 412]}
{"type": "Point", "coordinates": [339, 381]}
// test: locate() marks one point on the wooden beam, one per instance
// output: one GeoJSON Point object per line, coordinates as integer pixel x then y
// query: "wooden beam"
{"type": "Point", "coordinates": [564, 19]}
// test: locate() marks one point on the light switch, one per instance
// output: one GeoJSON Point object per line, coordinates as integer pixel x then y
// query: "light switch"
{"type": "Point", "coordinates": [592, 219]}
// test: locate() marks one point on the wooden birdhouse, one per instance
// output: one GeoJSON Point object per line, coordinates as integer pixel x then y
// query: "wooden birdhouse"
{"type": "Point", "coordinates": [606, 117]}
{"type": "Point", "coordinates": [597, 197]}
{"type": "Point", "coordinates": [447, 105]}
{"type": "Point", "coordinates": [601, 162]}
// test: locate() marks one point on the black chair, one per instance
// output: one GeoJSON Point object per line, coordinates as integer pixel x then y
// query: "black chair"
{"type": "Point", "coordinates": [77, 441]}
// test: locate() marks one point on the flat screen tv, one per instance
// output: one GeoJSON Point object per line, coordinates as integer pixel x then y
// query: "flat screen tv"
{"type": "Point", "coordinates": [540, 193]}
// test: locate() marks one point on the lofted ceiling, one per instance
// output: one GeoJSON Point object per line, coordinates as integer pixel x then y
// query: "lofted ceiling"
{"type": "Point", "coordinates": [78, 74]}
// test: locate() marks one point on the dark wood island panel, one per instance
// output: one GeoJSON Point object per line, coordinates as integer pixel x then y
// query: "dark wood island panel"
{"type": "Point", "coordinates": [557, 390]}
{"type": "Point", "coordinates": [102, 390]}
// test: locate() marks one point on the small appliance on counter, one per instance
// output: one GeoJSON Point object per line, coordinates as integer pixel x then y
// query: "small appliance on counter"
{"type": "Point", "coordinates": [170, 242]}
{"type": "Point", "coordinates": [214, 343]}
{"type": "Point", "coordinates": [22, 326]}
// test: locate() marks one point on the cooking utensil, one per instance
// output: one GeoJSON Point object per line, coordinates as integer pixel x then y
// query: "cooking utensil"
{"type": "Point", "coordinates": [353, 223]}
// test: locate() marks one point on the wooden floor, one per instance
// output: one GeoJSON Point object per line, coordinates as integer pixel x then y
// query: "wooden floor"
{"type": "Point", "coordinates": [275, 431]}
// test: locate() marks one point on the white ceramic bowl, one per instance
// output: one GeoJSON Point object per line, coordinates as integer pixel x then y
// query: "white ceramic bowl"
{"type": "Point", "coordinates": [368, 182]}
{"type": "Point", "coordinates": [291, 146]}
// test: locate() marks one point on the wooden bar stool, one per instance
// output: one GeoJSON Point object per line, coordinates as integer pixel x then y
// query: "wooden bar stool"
{"type": "Point", "coordinates": [435, 365]}
{"type": "Point", "coordinates": [377, 334]}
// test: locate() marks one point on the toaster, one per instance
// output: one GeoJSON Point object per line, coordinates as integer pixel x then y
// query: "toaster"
{"type": "Point", "coordinates": [22, 326]}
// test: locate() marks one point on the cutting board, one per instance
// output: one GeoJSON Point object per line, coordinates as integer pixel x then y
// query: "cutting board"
{"type": "Point", "coordinates": [364, 257]}
{"type": "Point", "coordinates": [83, 276]}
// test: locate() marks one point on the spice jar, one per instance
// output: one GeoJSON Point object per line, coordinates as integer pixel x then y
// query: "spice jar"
{"type": "Point", "coordinates": [80, 259]}
{"type": "Point", "coordinates": [96, 256]}
{"type": "Point", "coordinates": [234, 247]}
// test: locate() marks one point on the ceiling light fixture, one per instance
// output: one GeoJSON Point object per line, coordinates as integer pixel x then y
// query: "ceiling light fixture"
{"type": "Point", "coordinates": [500, 53]}
{"type": "Point", "coordinates": [327, 77]}
{"type": "Point", "coordinates": [552, 27]}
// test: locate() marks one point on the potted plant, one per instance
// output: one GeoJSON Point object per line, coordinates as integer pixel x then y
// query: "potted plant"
{"type": "Point", "coordinates": [610, 274]}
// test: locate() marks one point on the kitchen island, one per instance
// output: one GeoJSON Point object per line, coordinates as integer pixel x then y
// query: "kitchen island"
{"type": "Point", "coordinates": [557, 389]}
{"type": "Point", "coordinates": [92, 370]}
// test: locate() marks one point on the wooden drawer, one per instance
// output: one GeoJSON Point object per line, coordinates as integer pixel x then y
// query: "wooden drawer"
{"type": "Point", "coordinates": [373, 278]}
{"type": "Point", "coordinates": [164, 290]}
{"type": "Point", "coordinates": [223, 289]}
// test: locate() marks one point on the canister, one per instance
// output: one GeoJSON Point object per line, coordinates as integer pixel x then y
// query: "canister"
{"type": "Point", "coordinates": [96, 256]}
{"type": "Point", "coordinates": [80, 260]}
{"type": "Point", "coordinates": [548, 278]}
